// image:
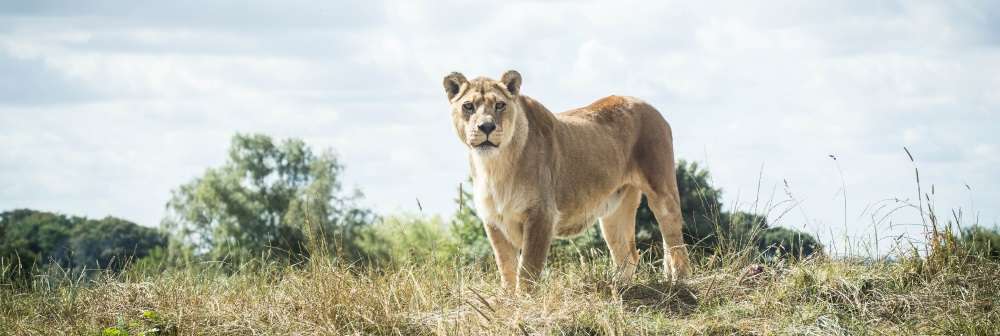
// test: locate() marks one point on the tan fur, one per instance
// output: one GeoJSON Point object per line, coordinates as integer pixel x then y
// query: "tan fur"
{"type": "Point", "coordinates": [553, 175]}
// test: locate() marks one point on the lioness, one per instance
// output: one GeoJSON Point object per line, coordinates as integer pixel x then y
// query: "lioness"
{"type": "Point", "coordinates": [539, 175]}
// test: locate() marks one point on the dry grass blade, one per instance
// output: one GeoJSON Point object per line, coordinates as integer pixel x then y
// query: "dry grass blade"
{"type": "Point", "coordinates": [481, 313]}
{"type": "Point", "coordinates": [483, 300]}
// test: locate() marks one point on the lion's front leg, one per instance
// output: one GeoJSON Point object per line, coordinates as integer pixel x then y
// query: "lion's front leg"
{"type": "Point", "coordinates": [538, 231]}
{"type": "Point", "coordinates": [506, 256]}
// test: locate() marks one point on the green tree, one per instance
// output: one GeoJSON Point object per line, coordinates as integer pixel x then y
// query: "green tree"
{"type": "Point", "coordinates": [31, 239]}
{"type": "Point", "coordinates": [781, 242]}
{"type": "Point", "coordinates": [268, 199]}
{"type": "Point", "coordinates": [111, 243]}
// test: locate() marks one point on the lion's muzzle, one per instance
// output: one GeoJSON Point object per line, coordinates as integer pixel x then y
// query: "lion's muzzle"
{"type": "Point", "coordinates": [486, 144]}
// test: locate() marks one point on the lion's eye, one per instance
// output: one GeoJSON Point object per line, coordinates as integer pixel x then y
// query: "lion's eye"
{"type": "Point", "coordinates": [500, 106]}
{"type": "Point", "coordinates": [467, 106]}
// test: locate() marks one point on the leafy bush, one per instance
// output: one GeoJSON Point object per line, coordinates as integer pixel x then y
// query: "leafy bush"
{"type": "Point", "coordinates": [981, 241]}
{"type": "Point", "coordinates": [782, 242]}
{"type": "Point", "coordinates": [149, 323]}
{"type": "Point", "coordinates": [408, 239]}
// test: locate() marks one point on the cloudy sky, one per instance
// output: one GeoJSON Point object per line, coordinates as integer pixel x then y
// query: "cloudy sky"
{"type": "Point", "coordinates": [107, 106]}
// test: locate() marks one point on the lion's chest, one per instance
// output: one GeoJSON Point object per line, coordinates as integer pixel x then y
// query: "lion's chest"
{"type": "Point", "coordinates": [501, 205]}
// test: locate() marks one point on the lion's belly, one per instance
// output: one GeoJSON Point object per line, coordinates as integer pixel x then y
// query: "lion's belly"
{"type": "Point", "coordinates": [576, 221]}
{"type": "Point", "coordinates": [569, 223]}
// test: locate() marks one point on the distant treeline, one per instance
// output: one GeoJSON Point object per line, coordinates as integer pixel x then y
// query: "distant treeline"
{"type": "Point", "coordinates": [280, 200]}
{"type": "Point", "coordinates": [31, 239]}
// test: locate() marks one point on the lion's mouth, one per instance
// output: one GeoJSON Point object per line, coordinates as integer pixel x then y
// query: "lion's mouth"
{"type": "Point", "coordinates": [486, 144]}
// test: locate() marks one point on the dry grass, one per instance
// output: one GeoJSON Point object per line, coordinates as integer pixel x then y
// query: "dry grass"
{"type": "Point", "coordinates": [818, 296]}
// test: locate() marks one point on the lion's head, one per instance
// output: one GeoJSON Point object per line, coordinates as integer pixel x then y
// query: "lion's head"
{"type": "Point", "coordinates": [485, 111]}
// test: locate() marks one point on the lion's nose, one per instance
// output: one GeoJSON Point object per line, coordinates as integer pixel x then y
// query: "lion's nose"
{"type": "Point", "coordinates": [487, 127]}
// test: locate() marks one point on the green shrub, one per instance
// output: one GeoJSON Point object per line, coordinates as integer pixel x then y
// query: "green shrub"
{"type": "Point", "coordinates": [408, 238]}
{"type": "Point", "coordinates": [781, 242]}
{"type": "Point", "coordinates": [981, 241]}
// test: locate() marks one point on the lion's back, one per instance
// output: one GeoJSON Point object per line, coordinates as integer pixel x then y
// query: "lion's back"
{"type": "Point", "coordinates": [621, 117]}
{"type": "Point", "coordinates": [616, 112]}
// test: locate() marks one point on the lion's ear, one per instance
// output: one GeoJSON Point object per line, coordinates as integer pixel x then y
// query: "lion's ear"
{"type": "Point", "coordinates": [512, 80]}
{"type": "Point", "coordinates": [452, 83]}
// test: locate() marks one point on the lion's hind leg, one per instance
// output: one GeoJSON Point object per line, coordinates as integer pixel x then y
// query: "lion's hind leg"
{"type": "Point", "coordinates": [667, 209]}
{"type": "Point", "coordinates": [618, 229]}
{"type": "Point", "coordinates": [655, 160]}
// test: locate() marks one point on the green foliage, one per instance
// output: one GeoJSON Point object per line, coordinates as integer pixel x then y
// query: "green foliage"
{"type": "Point", "coordinates": [778, 242]}
{"type": "Point", "coordinates": [149, 323]}
{"type": "Point", "coordinates": [468, 229]}
{"type": "Point", "coordinates": [981, 241]}
{"type": "Point", "coordinates": [107, 241]}
{"type": "Point", "coordinates": [270, 198]}
{"type": "Point", "coordinates": [31, 239]}
{"type": "Point", "coordinates": [409, 239]}
{"type": "Point", "coordinates": [156, 261]}
{"type": "Point", "coordinates": [114, 331]}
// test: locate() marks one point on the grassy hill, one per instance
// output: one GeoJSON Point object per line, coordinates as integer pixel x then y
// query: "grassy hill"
{"type": "Point", "coordinates": [946, 293]}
